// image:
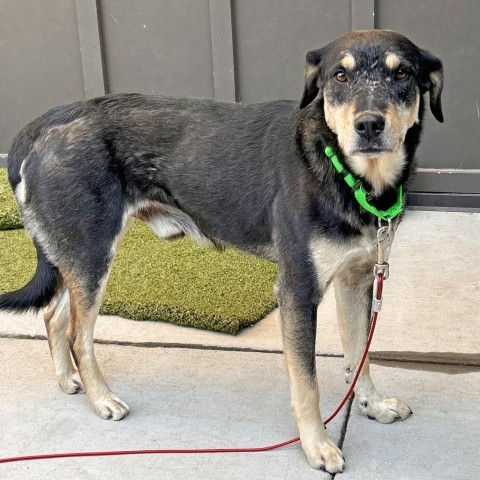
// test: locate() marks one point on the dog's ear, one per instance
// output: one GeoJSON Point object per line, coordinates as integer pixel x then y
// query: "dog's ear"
{"type": "Point", "coordinates": [431, 79]}
{"type": "Point", "coordinates": [312, 71]}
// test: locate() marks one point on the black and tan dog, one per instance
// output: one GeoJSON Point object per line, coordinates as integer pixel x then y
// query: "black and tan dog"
{"type": "Point", "coordinates": [255, 177]}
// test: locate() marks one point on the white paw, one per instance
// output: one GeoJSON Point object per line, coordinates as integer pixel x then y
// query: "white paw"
{"type": "Point", "coordinates": [384, 409]}
{"type": "Point", "coordinates": [71, 383]}
{"type": "Point", "coordinates": [110, 406]}
{"type": "Point", "coordinates": [324, 456]}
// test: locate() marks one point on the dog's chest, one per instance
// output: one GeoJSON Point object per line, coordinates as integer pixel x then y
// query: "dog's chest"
{"type": "Point", "coordinates": [329, 256]}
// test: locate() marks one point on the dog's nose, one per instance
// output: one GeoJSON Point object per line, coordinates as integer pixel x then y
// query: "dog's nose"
{"type": "Point", "coordinates": [369, 125]}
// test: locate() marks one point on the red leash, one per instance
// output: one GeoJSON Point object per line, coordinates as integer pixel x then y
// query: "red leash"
{"type": "Point", "coordinates": [378, 296]}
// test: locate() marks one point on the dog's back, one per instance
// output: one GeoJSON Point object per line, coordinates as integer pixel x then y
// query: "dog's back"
{"type": "Point", "coordinates": [80, 170]}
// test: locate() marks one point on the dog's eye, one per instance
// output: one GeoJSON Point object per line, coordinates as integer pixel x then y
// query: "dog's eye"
{"type": "Point", "coordinates": [401, 74]}
{"type": "Point", "coordinates": [341, 76]}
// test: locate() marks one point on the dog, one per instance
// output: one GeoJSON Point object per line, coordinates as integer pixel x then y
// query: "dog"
{"type": "Point", "coordinates": [255, 177]}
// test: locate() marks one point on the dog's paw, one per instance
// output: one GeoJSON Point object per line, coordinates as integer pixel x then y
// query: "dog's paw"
{"type": "Point", "coordinates": [111, 407]}
{"type": "Point", "coordinates": [71, 383]}
{"type": "Point", "coordinates": [384, 409]}
{"type": "Point", "coordinates": [324, 456]}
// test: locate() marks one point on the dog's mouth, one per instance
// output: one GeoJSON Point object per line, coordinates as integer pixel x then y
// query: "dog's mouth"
{"type": "Point", "coordinates": [371, 151]}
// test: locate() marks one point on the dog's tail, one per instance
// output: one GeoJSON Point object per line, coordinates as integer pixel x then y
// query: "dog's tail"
{"type": "Point", "coordinates": [38, 292]}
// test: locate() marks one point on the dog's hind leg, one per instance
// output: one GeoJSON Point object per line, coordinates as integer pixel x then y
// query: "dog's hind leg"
{"type": "Point", "coordinates": [57, 318]}
{"type": "Point", "coordinates": [86, 287]}
{"type": "Point", "coordinates": [353, 293]}
{"type": "Point", "coordinates": [85, 305]}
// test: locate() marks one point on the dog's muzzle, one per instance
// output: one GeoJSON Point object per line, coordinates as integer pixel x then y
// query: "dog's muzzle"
{"type": "Point", "coordinates": [370, 125]}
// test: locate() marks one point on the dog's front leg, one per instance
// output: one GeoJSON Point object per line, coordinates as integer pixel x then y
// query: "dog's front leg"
{"type": "Point", "coordinates": [298, 314]}
{"type": "Point", "coordinates": [353, 294]}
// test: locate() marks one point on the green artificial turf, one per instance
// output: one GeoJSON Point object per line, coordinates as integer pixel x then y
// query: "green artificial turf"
{"type": "Point", "coordinates": [9, 218]}
{"type": "Point", "coordinates": [177, 282]}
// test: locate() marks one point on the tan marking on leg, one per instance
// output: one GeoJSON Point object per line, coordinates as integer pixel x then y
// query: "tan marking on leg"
{"type": "Point", "coordinates": [320, 451]}
{"type": "Point", "coordinates": [57, 316]}
{"type": "Point", "coordinates": [80, 334]}
{"type": "Point", "coordinates": [351, 295]}
{"type": "Point", "coordinates": [352, 315]}
{"type": "Point", "coordinates": [83, 321]}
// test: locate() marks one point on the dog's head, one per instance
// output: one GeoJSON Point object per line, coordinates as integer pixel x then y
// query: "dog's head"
{"type": "Point", "coordinates": [371, 83]}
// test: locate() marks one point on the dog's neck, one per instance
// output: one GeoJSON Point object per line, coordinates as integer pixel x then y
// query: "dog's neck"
{"type": "Point", "coordinates": [380, 172]}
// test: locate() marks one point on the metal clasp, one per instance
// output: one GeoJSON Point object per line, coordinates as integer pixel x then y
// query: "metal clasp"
{"type": "Point", "coordinates": [376, 302]}
{"type": "Point", "coordinates": [382, 268]}
{"type": "Point", "coordinates": [384, 242]}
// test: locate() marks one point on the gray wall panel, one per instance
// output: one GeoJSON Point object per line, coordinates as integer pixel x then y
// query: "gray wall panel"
{"type": "Point", "coordinates": [40, 64]}
{"type": "Point", "coordinates": [90, 48]}
{"type": "Point", "coordinates": [157, 47]}
{"type": "Point", "coordinates": [271, 38]}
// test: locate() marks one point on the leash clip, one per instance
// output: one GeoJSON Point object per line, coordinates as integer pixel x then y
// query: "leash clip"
{"type": "Point", "coordinates": [384, 242]}
{"type": "Point", "coordinates": [381, 273]}
{"type": "Point", "coordinates": [381, 267]}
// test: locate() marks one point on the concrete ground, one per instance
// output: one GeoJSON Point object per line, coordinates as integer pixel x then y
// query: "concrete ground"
{"type": "Point", "coordinates": [189, 388]}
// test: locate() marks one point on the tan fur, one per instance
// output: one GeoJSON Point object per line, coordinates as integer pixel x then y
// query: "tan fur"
{"type": "Point", "coordinates": [320, 451]}
{"type": "Point", "coordinates": [351, 314]}
{"type": "Point", "coordinates": [57, 317]}
{"type": "Point", "coordinates": [436, 78]}
{"type": "Point", "coordinates": [380, 171]}
{"type": "Point", "coordinates": [340, 119]}
{"type": "Point", "coordinates": [330, 257]}
{"type": "Point", "coordinates": [81, 337]}
{"type": "Point", "coordinates": [348, 62]}
{"type": "Point", "coordinates": [392, 61]}
{"type": "Point", "coordinates": [351, 294]}
{"type": "Point", "coordinates": [311, 73]}
{"type": "Point", "coordinates": [70, 321]}
{"type": "Point", "coordinates": [367, 36]}
{"type": "Point", "coordinates": [401, 118]}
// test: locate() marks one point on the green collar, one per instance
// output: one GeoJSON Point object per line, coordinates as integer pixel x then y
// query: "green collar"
{"type": "Point", "coordinates": [361, 195]}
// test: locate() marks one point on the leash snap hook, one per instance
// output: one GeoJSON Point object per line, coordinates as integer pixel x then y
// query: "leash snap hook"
{"type": "Point", "coordinates": [382, 268]}
{"type": "Point", "coordinates": [377, 290]}
{"type": "Point", "coordinates": [384, 241]}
